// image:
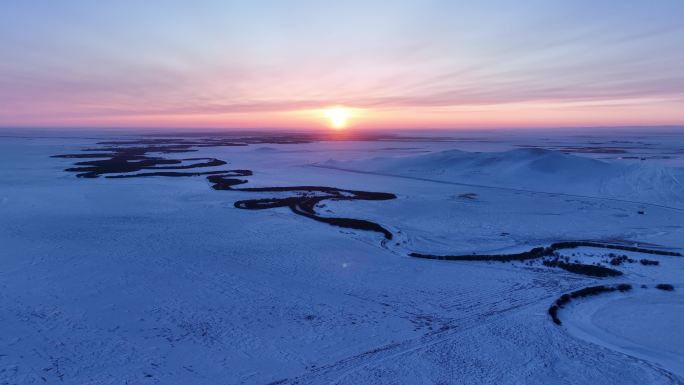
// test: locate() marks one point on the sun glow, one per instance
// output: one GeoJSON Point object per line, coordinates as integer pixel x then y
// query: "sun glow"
{"type": "Point", "coordinates": [338, 117]}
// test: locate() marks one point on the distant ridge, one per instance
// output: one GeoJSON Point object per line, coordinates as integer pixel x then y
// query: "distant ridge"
{"type": "Point", "coordinates": [537, 169]}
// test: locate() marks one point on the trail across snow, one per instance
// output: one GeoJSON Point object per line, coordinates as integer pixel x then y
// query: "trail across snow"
{"type": "Point", "coordinates": [644, 324]}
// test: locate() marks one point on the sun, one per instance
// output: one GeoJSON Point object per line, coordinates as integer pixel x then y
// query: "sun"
{"type": "Point", "coordinates": [338, 117]}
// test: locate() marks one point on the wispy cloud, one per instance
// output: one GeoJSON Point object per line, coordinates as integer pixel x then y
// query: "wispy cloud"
{"type": "Point", "coordinates": [218, 60]}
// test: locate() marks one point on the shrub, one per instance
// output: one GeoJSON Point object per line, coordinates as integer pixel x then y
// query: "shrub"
{"type": "Point", "coordinates": [578, 268]}
{"type": "Point", "coordinates": [562, 301]}
{"type": "Point", "coordinates": [553, 312]}
{"type": "Point", "coordinates": [665, 286]}
{"type": "Point", "coordinates": [649, 262]}
{"type": "Point", "coordinates": [617, 260]}
{"type": "Point", "coordinates": [623, 287]}
{"type": "Point", "coordinates": [589, 291]}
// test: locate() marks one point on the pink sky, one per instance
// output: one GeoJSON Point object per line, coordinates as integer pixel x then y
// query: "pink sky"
{"type": "Point", "coordinates": [414, 64]}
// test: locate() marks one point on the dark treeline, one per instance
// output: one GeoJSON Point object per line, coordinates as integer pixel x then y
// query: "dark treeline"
{"type": "Point", "coordinates": [132, 159]}
{"type": "Point", "coordinates": [580, 268]}
{"type": "Point", "coordinates": [552, 251]}
{"type": "Point", "coordinates": [305, 202]}
{"type": "Point", "coordinates": [665, 287]}
{"type": "Point", "coordinates": [539, 252]}
{"type": "Point", "coordinates": [581, 293]}
{"type": "Point", "coordinates": [130, 156]}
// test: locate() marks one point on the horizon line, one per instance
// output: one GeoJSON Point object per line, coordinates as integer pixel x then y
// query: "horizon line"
{"type": "Point", "coordinates": [350, 129]}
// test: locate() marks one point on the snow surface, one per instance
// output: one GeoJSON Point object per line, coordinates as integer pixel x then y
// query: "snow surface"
{"type": "Point", "coordinates": [161, 280]}
{"type": "Point", "coordinates": [645, 324]}
{"type": "Point", "coordinates": [536, 169]}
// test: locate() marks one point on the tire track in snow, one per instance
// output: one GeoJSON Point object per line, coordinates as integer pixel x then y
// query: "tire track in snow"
{"type": "Point", "coordinates": [334, 373]}
{"type": "Point", "coordinates": [475, 317]}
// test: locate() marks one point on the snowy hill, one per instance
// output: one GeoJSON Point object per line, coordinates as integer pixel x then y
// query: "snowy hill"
{"type": "Point", "coordinates": [538, 170]}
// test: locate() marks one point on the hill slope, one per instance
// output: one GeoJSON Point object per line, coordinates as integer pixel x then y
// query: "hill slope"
{"type": "Point", "coordinates": [539, 170]}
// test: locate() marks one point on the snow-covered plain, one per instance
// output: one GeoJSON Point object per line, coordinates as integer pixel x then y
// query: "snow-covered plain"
{"type": "Point", "coordinates": [161, 280]}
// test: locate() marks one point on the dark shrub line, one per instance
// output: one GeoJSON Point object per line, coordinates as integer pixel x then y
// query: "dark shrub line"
{"type": "Point", "coordinates": [305, 202]}
{"type": "Point", "coordinates": [580, 268]}
{"type": "Point", "coordinates": [573, 245]}
{"type": "Point", "coordinates": [132, 159]}
{"type": "Point", "coordinates": [539, 252]}
{"type": "Point", "coordinates": [648, 262]}
{"type": "Point", "coordinates": [581, 293]}
{"type": "Point", "coordinates": [168, 174]}
{"type": "Point", "coordinates": [535, 253]}
{"type": "Point", "coordinates": [665, 286]}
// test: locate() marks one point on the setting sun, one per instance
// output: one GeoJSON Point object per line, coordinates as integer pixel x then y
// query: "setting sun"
{"type": "Point", "coordinates": [338, 117]}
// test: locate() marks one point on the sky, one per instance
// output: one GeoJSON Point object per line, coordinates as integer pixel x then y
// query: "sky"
{"type": "Point", "coordinates": [386, 64]}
